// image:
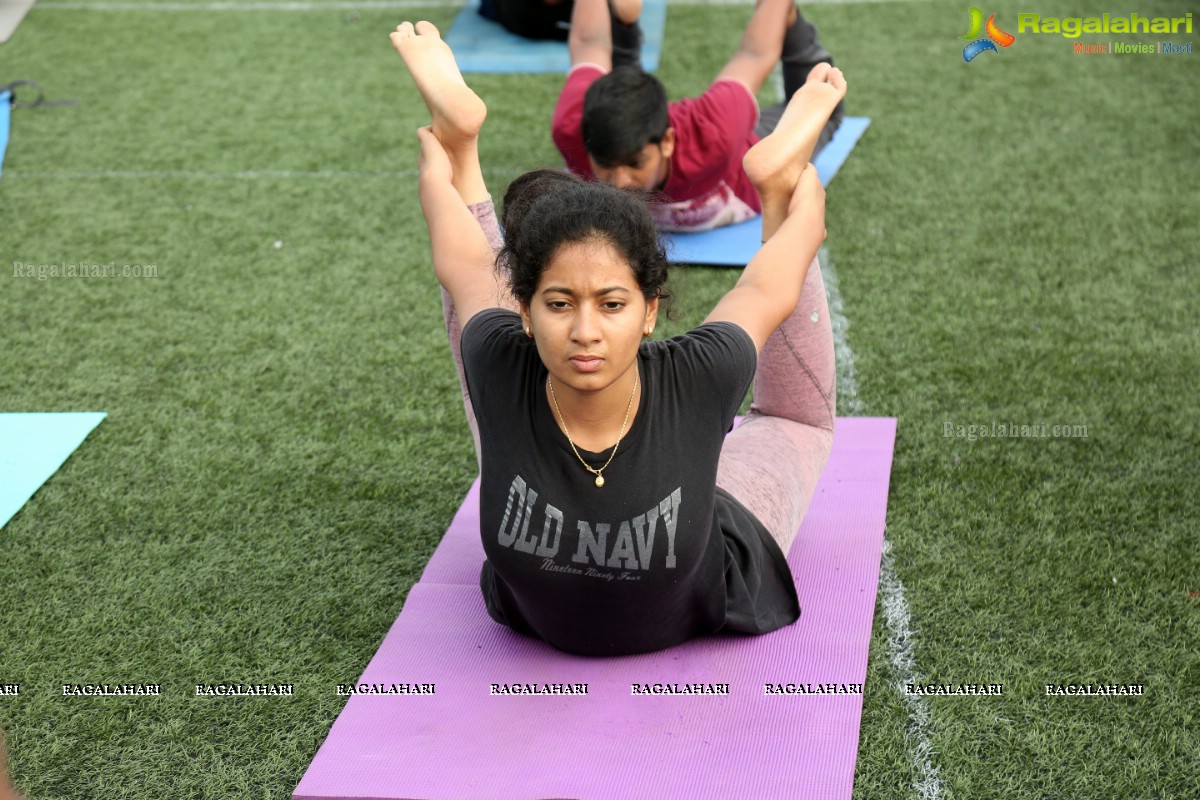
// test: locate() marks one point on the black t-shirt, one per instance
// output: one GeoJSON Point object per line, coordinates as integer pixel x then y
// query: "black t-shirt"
{"type": "Point", "coordinates": [656, 556]}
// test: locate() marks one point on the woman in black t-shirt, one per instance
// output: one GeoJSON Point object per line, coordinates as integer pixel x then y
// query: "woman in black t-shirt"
{"type": "Point", "coordinates": [586, 543]}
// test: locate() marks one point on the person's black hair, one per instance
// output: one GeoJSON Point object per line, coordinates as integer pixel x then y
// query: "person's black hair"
{"type": "Point", "coordinates": [568, 211]}
{"type": "Point", "coordinates": [528, 187]}
{"type": "Point", "coordinates": [623, 111]}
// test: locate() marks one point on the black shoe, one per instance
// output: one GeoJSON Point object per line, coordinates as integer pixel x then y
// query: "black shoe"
{"type": "Point", "coordinates": [802, 51]}
{"type": "Point", "coordinates": [626, 44]}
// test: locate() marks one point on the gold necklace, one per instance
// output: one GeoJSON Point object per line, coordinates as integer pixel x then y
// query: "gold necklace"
{"type": "Point", "coordinates": [562, 421]}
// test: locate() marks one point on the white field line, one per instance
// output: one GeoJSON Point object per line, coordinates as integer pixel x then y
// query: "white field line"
{"type": "Point", "coordinates": [248, 175]}
{"type": "Point", "coordinates": [903, 661]}
{"type": "Point", "coordinates": [251, 5]}
{"type": "Point", "coordinates": [901, 657]}
{"type": "Point", "coordinates": [847, 383]}
{"type": "Point", "coordinates": [235, 175]}
{"type": "Point", "coordinates": [245, 174]}
{"type": "Point", "coordinates": [343, 5]}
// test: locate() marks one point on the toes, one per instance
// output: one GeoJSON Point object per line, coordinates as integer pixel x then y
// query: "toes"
{"type": "Point", "coordinates": [428, 29]}
{"type": "Point", "coordinates": [403, 32]}
{"type": "Point", "coordinates": [819, 73]}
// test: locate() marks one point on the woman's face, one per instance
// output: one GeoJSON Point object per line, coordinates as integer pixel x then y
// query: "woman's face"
{"type": "Point", "coordinates": [588, 315]}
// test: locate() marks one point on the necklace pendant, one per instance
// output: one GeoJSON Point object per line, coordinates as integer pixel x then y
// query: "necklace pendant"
{"type": "Point", "coordinates": [599, 481]}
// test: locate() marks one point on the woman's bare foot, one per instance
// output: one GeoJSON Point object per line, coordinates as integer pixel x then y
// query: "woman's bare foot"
{"type": "Point", "coordinates": [457, 111]}
{"type": "Point", "coordinates": [774, 164]}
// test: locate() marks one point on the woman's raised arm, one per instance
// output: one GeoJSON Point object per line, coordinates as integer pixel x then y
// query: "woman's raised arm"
{"type": "Point", "coordinates": [769, 287]}
{"type": "Point", "coordinates": [450, 177]}
{"type": "Point", "coordinates": [793, 210]}
{"type": "Point", "coordinates": [462, 258]}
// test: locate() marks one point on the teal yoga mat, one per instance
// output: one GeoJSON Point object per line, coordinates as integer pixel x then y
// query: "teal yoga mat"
{"type": "Point", "coordinates": [481, 45]}
{"type": "Point", "coordinates": [735, 245]}
{"type": "Point", "coordinates": [32, 448]}
{"type": "Point", "coordinates": [5, 112]}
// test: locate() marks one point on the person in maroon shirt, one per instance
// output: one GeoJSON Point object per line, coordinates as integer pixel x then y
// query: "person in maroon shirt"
{"type": "Point", "coordinates": [617, 126]}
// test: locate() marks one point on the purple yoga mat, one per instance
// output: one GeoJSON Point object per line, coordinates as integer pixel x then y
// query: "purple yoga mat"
{"type": "Point", "coordinates": [462, 742]}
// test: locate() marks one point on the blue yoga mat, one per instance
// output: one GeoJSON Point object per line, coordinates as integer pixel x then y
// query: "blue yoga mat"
{"type": "Point", "coordinates": [5, 97]}
{"type": "Point", "coordinates": [32, 448]}
{"type": "Point", "coordinates": [481, 45]}
{"type": "Point", "coordinates": [735, 245]}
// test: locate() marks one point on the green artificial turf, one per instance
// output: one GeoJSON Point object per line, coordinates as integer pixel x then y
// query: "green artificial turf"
{"type": "Point", "coordinates": [1014, 241]}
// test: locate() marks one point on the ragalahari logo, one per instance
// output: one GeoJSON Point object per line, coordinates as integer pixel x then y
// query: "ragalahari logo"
{"type": "Point", "coordinates": [994, 37]}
